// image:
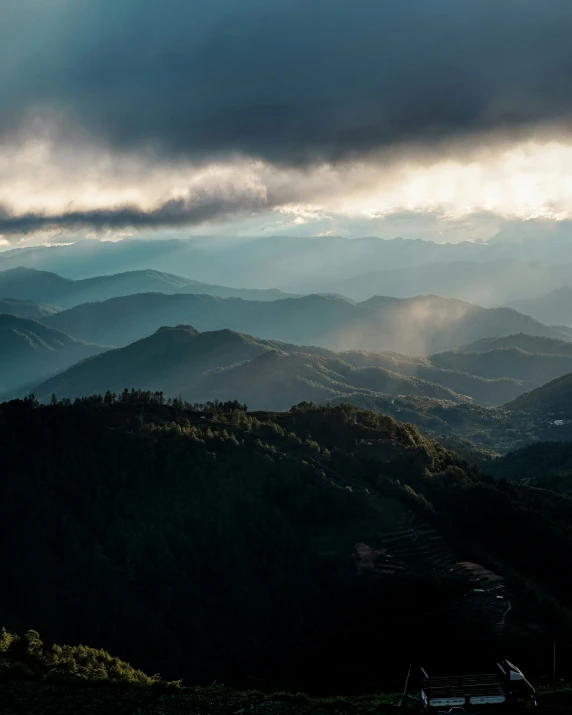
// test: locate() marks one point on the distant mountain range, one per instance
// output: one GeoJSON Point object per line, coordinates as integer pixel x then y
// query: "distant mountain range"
{"type": "Point", "coordinates": [260, 262]}
{"type": "Point", "coordinates": [489, 284]}
{"type": "Point", "coordinates": [554, 307]}
{"type": "Point", "coordinates": [488, 274]}
{"type": "Point", "coordinates": [30, 284]}
{"type": "Point", "coordinates": [534, 368]}
{"type": "Point", "coordinates": [414, 326]}
{"type": "Point", "coordinates": [31, 351]}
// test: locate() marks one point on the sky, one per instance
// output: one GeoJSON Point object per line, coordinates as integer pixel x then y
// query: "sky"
{"type": "Point", "coordinates": [436, 119]}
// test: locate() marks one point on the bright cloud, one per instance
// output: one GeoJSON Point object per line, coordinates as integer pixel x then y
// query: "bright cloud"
{"type": "Point", "coordinates": [48, 185]}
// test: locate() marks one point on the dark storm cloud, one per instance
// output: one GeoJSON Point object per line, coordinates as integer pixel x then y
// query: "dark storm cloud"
{"type": "Point", "coordinates": [286, 80]}
{"type": "Point", "coordinates": [174, 213]}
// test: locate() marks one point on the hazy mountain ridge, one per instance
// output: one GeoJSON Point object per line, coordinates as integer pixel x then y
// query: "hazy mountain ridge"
{"type": "Point", "coordinates": [31, 351]}
{"type": "Point", "coordinates": [554, 307]}
{"type": "Point", "coordinates": [213, 365]}
{"type": "Point", "coordinates": [490, 283]}
{"type": "Point", "coordinates": [27, 283]}
{"type": "Point", "coordinates": [27, 308]}
{"type": "Point", "coordinates": [250, 260]}
{"type": "Point", "coordinates": [522, 341]}
{"type": "Point", "coordinates": [421, 325]}
{"type": "Point", "coordinates": [532, 368]}
{"type": "Point", "coordinates": [489, 274]}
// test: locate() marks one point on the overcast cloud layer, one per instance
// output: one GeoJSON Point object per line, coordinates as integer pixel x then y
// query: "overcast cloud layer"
{"type": "Point", "coordinates": [295, 85]}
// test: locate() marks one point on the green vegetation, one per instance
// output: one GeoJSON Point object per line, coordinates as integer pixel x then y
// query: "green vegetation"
{"type": "Point", "coordinates": [26, 657]}
{"type": "Point", "coordinates": [36, 677]}
{"type": "Point", "coordinates": [58, 699]}
{"type": "Point", "coordinates": [544, 464]}
{"type": "Point", "coordinates": [204, 542]}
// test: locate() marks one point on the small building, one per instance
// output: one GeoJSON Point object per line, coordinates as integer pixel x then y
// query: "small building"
{"type": "Point", "coordinates": [504, 689]}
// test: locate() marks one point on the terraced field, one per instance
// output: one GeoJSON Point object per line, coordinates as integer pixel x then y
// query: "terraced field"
{"type": "Point", "coordinates": [406, 543]}
{"type": "Point", "coordinates": [409, 542]}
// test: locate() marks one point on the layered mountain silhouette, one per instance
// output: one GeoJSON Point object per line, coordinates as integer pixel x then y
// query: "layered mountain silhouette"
{"type": "Point", "coordinates": [416, 326]}
{"type": "Point", "coordinates": [534, 368]}
{"type": "Point", "coordinates": [522, 341]}
{"type": "Point", "coordinates": [31, 351]}
{"type": "Point", "coordinates": [553, 307]}
{"type": "Point", "coordinates": [27, 308]}
{"type": "Point", "coordinates": [487, 283]}
{"type": "Point", "coordinates": [553, 398]}
{"type": "Point", "coordinates": [31, 284]}
{"type": "Point", "coordinates": [213, 365]}
{"type": "Point", "coordinates": [323, 264]}
{"type": "Point", "coordinates": [180, 361]}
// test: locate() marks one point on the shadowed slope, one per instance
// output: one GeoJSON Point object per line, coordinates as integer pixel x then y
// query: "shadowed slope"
{"type": "Point", "coordinates": [31, 351]}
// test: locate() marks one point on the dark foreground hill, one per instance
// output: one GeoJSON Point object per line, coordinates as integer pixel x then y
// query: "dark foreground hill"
{"type": "Point", "coordinates": [415, 326]}
{"type": "Point", "coordinates": [265, 374]}
{"type": "Point", "coordinates": [303, 549]}
{"type": "Point", "coordinates": [31, 351]}
{"type": "Point", "coordinates": [37, 678]}
{"type": "Point", "coordinates": [30, 284]}
{"type": "Point", "coordinates": [547, 465]}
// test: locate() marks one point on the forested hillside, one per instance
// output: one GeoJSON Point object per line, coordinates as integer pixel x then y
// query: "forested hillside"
{"type": "Point", "coordinates": [547, 465]}
{"type": "Point", "coordinates": [211, 543]}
